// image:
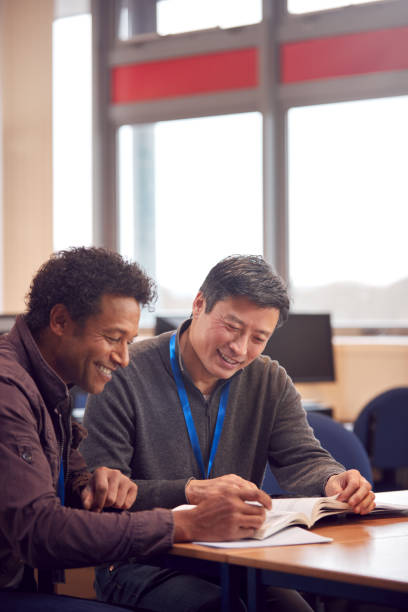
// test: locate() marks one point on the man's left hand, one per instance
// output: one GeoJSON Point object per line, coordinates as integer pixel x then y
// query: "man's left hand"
{"type": "Point", "coordinates": [108, 489]}
{"type": "Point", "coordinates": [352, 488]}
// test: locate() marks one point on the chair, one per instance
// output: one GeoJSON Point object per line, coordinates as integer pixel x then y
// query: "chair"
{"type": "Point", "coordinates": [339, 441]}
{"type": "Point", "coordinates": [382, 427]}
{"type": "Point", "coordinates": [270, 484]}
{"type": "Point", "coordinates": [342, 443]}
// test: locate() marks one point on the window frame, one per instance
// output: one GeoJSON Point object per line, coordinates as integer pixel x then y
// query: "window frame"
{"type": "Point", "coordinates": [271, 97]}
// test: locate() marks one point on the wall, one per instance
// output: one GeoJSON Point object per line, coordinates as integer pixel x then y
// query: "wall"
{"type": "Point", "coordinates": [26, 94]}
{"type": "Point", "coordinates": [364, 368]}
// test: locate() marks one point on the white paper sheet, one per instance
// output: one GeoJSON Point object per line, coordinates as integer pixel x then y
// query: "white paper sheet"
{"type": "Point", "coordinates": [287, 537]}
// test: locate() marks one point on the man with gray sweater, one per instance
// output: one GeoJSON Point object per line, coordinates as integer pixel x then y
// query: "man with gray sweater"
{"type": "Point", "coordinates": [201, 411]}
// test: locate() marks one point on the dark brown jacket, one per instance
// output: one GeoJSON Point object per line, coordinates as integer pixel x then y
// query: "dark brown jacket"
{"type": "Point", "coordinates": [35, 431]}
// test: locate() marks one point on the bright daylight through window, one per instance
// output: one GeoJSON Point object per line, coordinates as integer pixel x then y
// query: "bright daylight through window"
{"type": "Point", "coordinates": [307, 6]}
{"type": "Point", "coordinates": [72, 131]}
{"type": "Point", "coordinates": [348, 210]}
{"type": "Point", "coordinates": [186, 15]}
{"type": "Point", "coordinates": [199, 190]}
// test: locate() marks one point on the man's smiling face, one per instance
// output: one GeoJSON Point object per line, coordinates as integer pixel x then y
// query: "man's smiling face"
{"type": "Point", "coordinates": [230, 336]}
{"type": "Point", "coordinates": [91, 351]}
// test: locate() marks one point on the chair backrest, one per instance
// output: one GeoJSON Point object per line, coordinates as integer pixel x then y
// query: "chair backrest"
{"type": "Point", "coordinates": [339, 441]}
{"type": "Point", "coordinates": [342, 443]}
{"type": "Point", "coordinates": [270, 485]}
{"type": "Point", "coordinates": [382, 427]}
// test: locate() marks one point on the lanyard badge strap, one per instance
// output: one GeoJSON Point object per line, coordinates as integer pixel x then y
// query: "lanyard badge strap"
{"type": "Point", "coordinates": [61, 485]}
{"type": "Point", "coordinates": [188, 417]}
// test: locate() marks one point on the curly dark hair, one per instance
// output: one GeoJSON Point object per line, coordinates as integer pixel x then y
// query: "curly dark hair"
{"type": "Point", "coordinates": [247, 276]}
{"type": "Point", "coordinates": [78, 278]}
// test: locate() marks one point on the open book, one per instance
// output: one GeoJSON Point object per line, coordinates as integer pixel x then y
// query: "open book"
{"type": "Point", "coordinates": [298, 511]}
{"type": "Point", "coordinates": [306, 511]}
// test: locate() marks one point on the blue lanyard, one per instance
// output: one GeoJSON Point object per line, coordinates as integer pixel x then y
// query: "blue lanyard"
{"type": "Point", "coordinates": [61, 486]}
{"type": "Point", "coordinates": [188, 417]}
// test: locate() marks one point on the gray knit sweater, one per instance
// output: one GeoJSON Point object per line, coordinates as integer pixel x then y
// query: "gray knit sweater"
{"type": "Point", "coordinates": [137, 426]}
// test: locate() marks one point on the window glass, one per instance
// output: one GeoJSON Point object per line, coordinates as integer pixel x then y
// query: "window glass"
{"type": "Point", "coordinates": [307, 6]}
{"type": "Point", "coordinates": [190, 194]}
{"type": "Point", "coordinates": [348, 209]}
{"type": "Point", "coordinates": [185, 15]}
{"type": "Point", "coordinates": [176, 16]}
{"type": "Point", "coordinates": [72, 132]}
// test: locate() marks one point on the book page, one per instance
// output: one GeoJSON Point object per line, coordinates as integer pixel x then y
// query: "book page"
{"type": "Point", "coordinates": [302, 505]}
{"type": "Point", "coordinates": [312, 508]}
{"type": "Point", "coordinates": [330, 505]}
{"type": "Point", "coordinates": [287, 511]}
{"type": "Point", "coordinates": [275, 521]}
{"type": "Point", "coordinates": [389, 501]}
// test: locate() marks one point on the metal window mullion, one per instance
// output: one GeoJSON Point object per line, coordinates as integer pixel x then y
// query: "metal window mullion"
{"type": "Point", "coordinates": [104, 140]}
{"type": "Point", "coordinates": [142, 18]}
{"type": "Point", "coordinates": [186, 107]}
{"type": "Point", "coordinates": [344, 89]}
{"type": "Point", "coordinates": [157, 47]}
{"type": "Point", "coordinates": [274, 142]}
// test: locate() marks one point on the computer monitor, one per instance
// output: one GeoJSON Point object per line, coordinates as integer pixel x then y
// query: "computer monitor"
{"type": "Point", "coordinates": [168, 323]}
{"type": "Point", "coordinates": [303, 346]}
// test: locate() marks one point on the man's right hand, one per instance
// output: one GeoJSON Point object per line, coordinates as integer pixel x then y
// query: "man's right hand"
{"type": "Point", "coordinates": [108, 488]}
{"type": "Point", "coordinates": [199, 490]}
{"type": "Point", "coordinates": [218, 518]}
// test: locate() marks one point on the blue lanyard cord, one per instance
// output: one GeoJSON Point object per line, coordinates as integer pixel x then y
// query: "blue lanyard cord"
{"type": "Point", "coordinates": [61, 485]}
{"type": "Point", "coordinates": [188, 417]}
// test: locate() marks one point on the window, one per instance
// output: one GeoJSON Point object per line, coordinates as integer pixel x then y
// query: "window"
{"type": "Point", "coordinates": [176, 16]}
{"type": "Point", "coordinates": [343, 253]}
{"type": "Point", "coordinates": [307, 6]}
{"type": "Point", "coordinates": [348, 210]}
{"type": "Point", "coordinates": [72, 131]}
{"type": "Point", "coordinates": [190, 194]}
{"type": "Point", "coordinates": [185, 15]}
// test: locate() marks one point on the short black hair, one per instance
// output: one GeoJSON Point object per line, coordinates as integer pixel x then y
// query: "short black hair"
{"type": "Point", "coordinates": [247, 276]}
{"type": "Point", "coordinates": [78, 278]}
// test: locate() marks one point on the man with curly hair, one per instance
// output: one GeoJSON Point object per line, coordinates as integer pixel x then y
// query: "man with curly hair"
{"type": "Point", "coordinates": [83, 312]}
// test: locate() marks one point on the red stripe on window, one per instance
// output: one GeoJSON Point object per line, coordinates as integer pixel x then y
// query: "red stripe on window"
{"type": "Point", "coordinates": [185, 76]}
{"type": "Point", "coordinates": [361, 53]}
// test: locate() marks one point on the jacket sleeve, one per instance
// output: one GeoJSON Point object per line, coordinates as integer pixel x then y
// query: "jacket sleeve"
{"type": "Point", "coordinates": [37, 529]}
{"type": "Point", "coordinates": [79, 474]}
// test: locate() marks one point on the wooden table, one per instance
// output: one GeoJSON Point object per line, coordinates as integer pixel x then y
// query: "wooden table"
{"type": "Point", "coordinates": [368, 561]}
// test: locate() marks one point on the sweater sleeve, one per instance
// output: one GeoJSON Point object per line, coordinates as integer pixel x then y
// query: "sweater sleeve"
{"type": "Point", "coordinates": [110, 420]}
{"type": "Point", "coordinates": [36, 529]}
{"type": "Point", "coordinates": [296, 457]}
